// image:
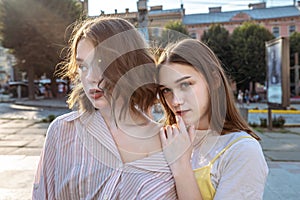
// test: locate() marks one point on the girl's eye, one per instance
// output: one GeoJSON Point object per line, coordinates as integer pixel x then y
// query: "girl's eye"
{"type": "Point", "coordinates": [165, 91]}
{"type": "Point", "coordinates": [184, 85]}
{"type": "Point", "coordinates": [83, 68]}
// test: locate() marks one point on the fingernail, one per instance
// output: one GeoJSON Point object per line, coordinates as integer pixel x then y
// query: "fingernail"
{"type": "Point", "coordinates": [177, 118]}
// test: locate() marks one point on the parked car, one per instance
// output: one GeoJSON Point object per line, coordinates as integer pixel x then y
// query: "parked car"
{"type": "Point", "coordinates": [13, 89]}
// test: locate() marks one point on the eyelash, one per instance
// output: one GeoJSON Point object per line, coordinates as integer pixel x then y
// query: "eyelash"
{"type": "Point", "coordinates": [182, 85]}
{"type": "Point", "coordinates": [185, 84]}
{"type": "Point", "coordinates": [165, 90]}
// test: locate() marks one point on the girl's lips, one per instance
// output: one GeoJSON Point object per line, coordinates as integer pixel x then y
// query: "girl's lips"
{"type": "Point", "coordinates": [181, 112]}
{"type": "Point", "coordinates": [96, 93]}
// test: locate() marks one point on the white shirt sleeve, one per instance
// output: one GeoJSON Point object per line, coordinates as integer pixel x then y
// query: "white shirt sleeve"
{"type": "Point", "coordinates": [241, 172]}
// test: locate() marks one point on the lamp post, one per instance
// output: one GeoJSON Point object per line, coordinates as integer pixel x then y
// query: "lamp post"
{"type": "Point", "coordinates": [143, 18]}
{"type": "Point", "coordinates": [85, 6]}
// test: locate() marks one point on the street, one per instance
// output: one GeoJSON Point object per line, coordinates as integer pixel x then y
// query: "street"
{"type": "Point", "coordinates": [13, 111]}
{"type": "Point", "coordinates": [22, 136]}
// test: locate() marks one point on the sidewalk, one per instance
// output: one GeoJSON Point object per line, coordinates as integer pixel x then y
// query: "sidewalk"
{"type": "Point", "coordinates": [21, 142]}
{"type": "Point", "coordinates": [49, 103]}
{"type": "Point", "coordinates": [282, 152]}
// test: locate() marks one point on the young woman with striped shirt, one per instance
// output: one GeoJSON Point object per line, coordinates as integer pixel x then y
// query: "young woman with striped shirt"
{"type": "Point", "coordinates": [109, 148]}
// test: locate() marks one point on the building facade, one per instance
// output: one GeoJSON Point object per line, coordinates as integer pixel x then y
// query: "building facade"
{"type": "Point", "coordinates": [156, 16]}
{"type": "Point", "coordinates": [281, 21]}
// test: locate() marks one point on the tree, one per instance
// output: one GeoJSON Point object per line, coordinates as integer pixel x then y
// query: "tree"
{"type": "Point", "coordinates": [294, 47]}
{"type": "Point", "coordinates": [172, 32]}
{"type": "Point", "coordinates": [176, 26]}
{"type": "Point", "coordinates": [35, 30]}
{"type": "Point", "coordinates": [248, 54]}
{"type": "Point", "coordinates": [218, 38]}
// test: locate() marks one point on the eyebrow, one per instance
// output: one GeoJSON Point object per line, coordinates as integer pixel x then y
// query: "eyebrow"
{"type": "Point", "coordinates": [177, 81]}
{"type": "Point", "coordinates": [183, 78]}
{"type": "Point", "coordinates": [79, 59]}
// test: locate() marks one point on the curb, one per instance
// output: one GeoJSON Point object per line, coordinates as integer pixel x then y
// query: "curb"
{"type": "Point", "coordinates": [41, 106]}
{"type": "Point", "coordinates": [43, 103]}
{"type": "Point", "coordinates": [275, 111]}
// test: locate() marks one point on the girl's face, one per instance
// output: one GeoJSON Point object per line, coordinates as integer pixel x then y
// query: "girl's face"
{"type": "Point", "coordinates": [90, 75]}
{"type": "Point", "coordinates": [186, 93]}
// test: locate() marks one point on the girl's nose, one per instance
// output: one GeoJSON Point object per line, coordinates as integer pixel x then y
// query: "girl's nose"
{"type": "Point", "coordinates": [94, 75]}
{"type": "Point", "coordinates": [177, 100]}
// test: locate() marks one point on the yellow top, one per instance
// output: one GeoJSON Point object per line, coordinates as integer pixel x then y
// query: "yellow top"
{"type": "Point", "coordinates": [202, 174]}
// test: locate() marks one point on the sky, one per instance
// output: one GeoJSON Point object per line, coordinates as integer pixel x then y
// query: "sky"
{"type": "Point", "coordinates": [191, 6]}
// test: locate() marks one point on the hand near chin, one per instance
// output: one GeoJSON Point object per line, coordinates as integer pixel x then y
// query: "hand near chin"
{"type": "Point", "coordinates": [177, 143]}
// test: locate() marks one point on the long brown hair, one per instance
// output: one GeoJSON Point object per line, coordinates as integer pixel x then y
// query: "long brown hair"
{"type": "Point", "coordinates": [224, 115]}
{"type": "Point", "coordinates": [128, 67]}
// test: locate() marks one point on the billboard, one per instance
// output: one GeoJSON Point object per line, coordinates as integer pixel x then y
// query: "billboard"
{"type": "Point", "coordinates": [278, 72]}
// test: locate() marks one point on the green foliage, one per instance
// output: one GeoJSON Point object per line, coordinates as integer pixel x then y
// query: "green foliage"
{"type": "Point", "coordinates": [263, 122]}
{"type": "Point", "coordinates": [218, 38]}
{"type": "Point", "coordinates": [294, 47]}
{"type": "Point", "coordinates": [35, 30]}
{"type": "Point", "coordinates": [173, 32]}
{"type": "Point", "coordinates": [253, 124]}
{"type": "Point", "coordinates": [49, 118]}
{"type": "Point", "coordinates": [248, 54]}
{"type": "Point", "coordinates": [277, 122]}
{"type": "Point", "coordinates": [176, 26]}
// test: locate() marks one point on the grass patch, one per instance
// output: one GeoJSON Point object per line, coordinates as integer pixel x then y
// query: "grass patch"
{"type": "Point", "coordinates": [274, 130]}
{"type": "Point", "coordinates": [48, 119]}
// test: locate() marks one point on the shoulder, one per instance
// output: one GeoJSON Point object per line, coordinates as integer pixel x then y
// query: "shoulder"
{"type": "Point", "coordinates": [68, 116]}
{"type": "Point", "coordinates": [242, 166]}
{"type": "Point", "coordinates": [241, 143]}
{"type": "Point", "coordinates": [244, 151]}
{"type": "Point", "coordinates": [62, 123]}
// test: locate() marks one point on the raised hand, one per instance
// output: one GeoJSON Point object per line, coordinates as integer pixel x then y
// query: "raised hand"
{"type": "Point", "coordinates": [177, 142]}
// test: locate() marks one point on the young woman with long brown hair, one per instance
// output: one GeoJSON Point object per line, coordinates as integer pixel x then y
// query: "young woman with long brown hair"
{"type": "Point", "coordinates": [212, 152]}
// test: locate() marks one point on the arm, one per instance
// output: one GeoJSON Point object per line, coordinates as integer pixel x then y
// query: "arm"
{"type": "Point", "coordinates": [44, 182]}
{"type": "Point", "coordinates": [186, 185]}
{"type": "Point", "coordinates": [177, 146]}
{"type": "Point", "coordinates": [243, 172]}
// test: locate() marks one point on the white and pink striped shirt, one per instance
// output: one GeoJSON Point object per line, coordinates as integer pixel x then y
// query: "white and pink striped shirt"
{"type": "Point", "coordinates": [80, 160]}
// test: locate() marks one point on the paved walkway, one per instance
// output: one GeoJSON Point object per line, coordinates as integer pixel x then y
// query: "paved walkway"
{"type": "Point", "coordinates": [21, 142]}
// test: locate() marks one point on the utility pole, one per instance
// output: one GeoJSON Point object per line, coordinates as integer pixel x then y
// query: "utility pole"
{"type": "Point", "coordinates": [296, 74]}
{"type": "Point", "coordinates": [296, 67]}
{"type": "Point", "coordinates": [143, 18]}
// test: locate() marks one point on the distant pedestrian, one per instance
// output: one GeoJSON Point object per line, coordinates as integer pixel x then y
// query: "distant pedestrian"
{"type": "Point", "coordinates": [42, 89]}
{"type": "Point", "coordinates": [48, 92]}
{"type": "Point", "coordinates": [247, 96]}
{"type": "Point", "coordinates": [61, 90]}
{"type": "Point", "coordinates": [240, 97]}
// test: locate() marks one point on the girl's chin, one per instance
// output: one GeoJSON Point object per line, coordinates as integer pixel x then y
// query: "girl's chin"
{"type": "Point", "coordinates": [100, 104]}
{"type": "Point", "coordinates": [188, 122]}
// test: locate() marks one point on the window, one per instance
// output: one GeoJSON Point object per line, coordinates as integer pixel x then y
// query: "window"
{"type": "Point", "coordinates": [275, 31]}
{"type": "Point", "coordinates": [292, 29]}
